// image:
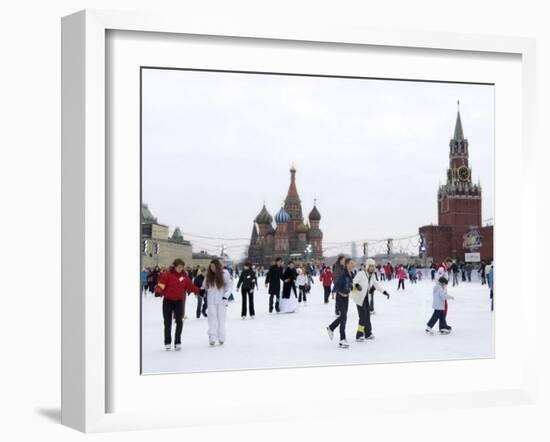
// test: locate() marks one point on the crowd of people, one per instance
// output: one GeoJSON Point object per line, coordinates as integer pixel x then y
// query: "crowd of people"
{"type": "Point", "coordinates": [289, 285]}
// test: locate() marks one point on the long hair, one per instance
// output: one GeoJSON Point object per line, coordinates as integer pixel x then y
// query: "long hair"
{"type": "Point", "coordinates": [215, 278]}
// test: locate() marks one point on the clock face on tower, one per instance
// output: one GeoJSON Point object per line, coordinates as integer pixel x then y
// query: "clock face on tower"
{"type": "Point", "coordinates": [463, 173]}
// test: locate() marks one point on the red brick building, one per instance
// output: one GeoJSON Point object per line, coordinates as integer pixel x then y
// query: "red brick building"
{"type": "Point", "coordinates": [459, 229]}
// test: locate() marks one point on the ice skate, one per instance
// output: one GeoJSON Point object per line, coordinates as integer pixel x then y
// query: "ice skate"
{"type": "Point", "coordinates": [221, 342]}
{"type": "Point", "coordinates": [330, 333]}
{"type": "Point", "coordinates": [360, 339]}
{"type": "Point", "coordinates": [369, 337]}
{"type": "Point", "coordinates": [168, 347]}
{"type": "Point", "coordinates": [445, 331]}
{"type": "Point", "coordinates": [212, 343]}
{"type": "Point", "coordinates": [177, 347]}
{"type": "Point", "coordinates": [343, 344]}
{"type": "Point", "coordinates": [429, 331]}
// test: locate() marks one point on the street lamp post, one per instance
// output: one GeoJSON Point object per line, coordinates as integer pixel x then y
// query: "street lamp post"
{"type": "Point", "coordinates": [308, 251]}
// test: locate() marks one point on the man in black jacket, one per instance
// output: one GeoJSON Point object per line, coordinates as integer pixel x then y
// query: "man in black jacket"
{"type": "Point", "coordinates": [248, 282]}
{"type": "Point", "coordinates": [273, 280]}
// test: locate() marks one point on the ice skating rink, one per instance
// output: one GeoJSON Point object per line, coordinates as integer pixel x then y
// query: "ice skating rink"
{"type": "Point", "coordinates": [300, 339]}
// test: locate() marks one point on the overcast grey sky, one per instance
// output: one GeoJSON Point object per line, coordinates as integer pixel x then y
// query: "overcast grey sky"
{"type": "Point", "coordinates": [216, 145]}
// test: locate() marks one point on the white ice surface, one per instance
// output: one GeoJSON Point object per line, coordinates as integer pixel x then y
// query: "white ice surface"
{"type": "Point", "coordinates": [300, 339]}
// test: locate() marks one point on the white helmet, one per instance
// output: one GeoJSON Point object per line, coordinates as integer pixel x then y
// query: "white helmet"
{"type": "Point", "coordinates": [371, 262]}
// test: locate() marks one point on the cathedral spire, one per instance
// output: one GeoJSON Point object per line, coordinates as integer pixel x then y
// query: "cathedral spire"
{"type": "Point", "coordinates": [292, 191]}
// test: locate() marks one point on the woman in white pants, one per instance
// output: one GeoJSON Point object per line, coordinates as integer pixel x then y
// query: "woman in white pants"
{"type": "Point", "coordinates": [218, 286]}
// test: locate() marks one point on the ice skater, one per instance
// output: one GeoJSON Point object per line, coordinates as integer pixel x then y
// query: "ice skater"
{"type": "Point", "coordinates": [201, 297]}
{"type": "Point", "coordinates": [365, 284]}
{"type": "Point", "coordinates": [440, 296]}
{"type": "Point", "coordinates": [401, 275]}
{"type": "Point", "coordinates": [248, 281]}
{"type": "Point", "coordinates": [302, 282]}
{"type": "Point", "coordinates": [337, 270]}
{"type": "Point", "coordinates": [289, 303]}
{"type": "Point", "coordinates": [273, 281]}
{"type": "Point", "coordinates": [343, 286]}
{"type": "Point", "coordinates": [326, 278]}
{"type": "Point", "coordinates": [218, 285]}
{"type": "Point", "coordinates": [144, 285]}
{"type": "Point", "coordinates": [173, 287]}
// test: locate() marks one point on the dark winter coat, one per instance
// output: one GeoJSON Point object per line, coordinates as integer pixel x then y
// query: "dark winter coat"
{"type": "Point", "coordinates": [291, 275]}
{"type": "Point", "coordinates": [198, 281]}
{"type": "Point", "coordinates": [344, 283]}
{"type": "Point", "coordinates": [247, 280]}
{"type": "Point", "coordinates": [337, 270]}
{"type": "Point", "coordinates": [273, 278]}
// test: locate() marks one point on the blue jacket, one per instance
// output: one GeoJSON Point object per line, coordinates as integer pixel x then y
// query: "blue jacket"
{"type": "Point", "coordinates": [344, 283]}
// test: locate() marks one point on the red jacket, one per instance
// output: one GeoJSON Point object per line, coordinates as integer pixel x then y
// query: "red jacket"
{"type": "Point", "coordinates": [173, 286]}
{"type": "Point", "coordinates": [326, 277]}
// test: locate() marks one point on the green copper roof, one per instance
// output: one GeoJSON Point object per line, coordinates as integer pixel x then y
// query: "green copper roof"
{"type": "Point", "coordinates": [177, 236]}
{"type": "Point", "coordinates": [146, 215]}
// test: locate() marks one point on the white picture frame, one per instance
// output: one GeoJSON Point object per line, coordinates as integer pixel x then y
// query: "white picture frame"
{"type": "Point", "coordinates": [85, 215]}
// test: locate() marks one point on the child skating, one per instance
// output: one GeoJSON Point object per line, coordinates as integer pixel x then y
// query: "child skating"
{"type": "Point", "coordinates": [440, 296]}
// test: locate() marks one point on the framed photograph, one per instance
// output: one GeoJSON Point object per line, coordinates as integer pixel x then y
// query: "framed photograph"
{"type": "Point", "coordinates": [260, 208]}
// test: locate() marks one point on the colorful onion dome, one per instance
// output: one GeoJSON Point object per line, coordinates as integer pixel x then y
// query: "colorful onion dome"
{"type": "Point", "coordinates": [282, 216]}
{"type": "Point", "coordinates": [264, 217]}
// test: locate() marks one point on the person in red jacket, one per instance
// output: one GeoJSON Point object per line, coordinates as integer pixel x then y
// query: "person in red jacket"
{"type": "Point", "coordinates": [326, 278]}
{"type": "Point", "coordinates": [174, 286]}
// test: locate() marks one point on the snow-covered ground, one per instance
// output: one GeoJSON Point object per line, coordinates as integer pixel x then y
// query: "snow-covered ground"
{"type": "Point", "coordinates": [300, 339]}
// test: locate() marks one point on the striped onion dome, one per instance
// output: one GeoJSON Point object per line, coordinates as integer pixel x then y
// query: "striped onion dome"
{"type": "Point", "coordinates": [282, 216]}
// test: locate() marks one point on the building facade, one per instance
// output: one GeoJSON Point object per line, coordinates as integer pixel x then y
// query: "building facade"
{"type": "Point", "coordinates": [291, 237]}
{"type": "Point", "coordinates": [459, 229]}
{"type": "Point", "coordinates": [157, 247]}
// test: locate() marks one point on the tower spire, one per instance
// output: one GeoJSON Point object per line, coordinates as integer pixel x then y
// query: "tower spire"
{"type": "Point", "coordinates": [459, 133]}
{"type": "Point", "coordinates": [292, 191]}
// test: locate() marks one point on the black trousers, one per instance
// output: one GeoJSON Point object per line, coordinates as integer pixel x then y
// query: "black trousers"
{"type": "Point", "coordinates": [247, 294]}
{"type": "Point", "coordinates": [274, 297]}
{"type": "Point", "coordinates": [202, 305]}
{"type": "Point", "coordinates": [371, 301]}
{"type": "Point", "coordinates": [336, 310]}
{"type": "Point", "coordinates": [171, 310]}
{"type": "Point", "coordinates": [302, 293]}
{"type": "Point", "coordinates": [438, 315]}
{"type": "Point", "coordinates": [327, 293]}
{"type": "Point", "coordinates": [401, 284]}
{"type": "Point", "coordinates": [364, 328]}
{"type": "Point", "coordinates": [342, 303]}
